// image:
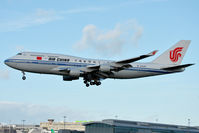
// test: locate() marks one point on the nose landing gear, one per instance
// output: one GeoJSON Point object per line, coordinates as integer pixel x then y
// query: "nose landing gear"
{"type": "Point", "coordinates": [24, 76]}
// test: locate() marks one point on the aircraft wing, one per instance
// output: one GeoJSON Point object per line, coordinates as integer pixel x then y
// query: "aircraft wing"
{"type": "Point", "coordinates": [93, 66]}
{"type": "Point", "coordinates": [103, 70]}
{"type": "Point", "coordinates": [118, 65]}
{"type": "Point", "coordinates": [67, 70]}
{"type": "Point", "coordinates": [61, 69]}
{"type": "Point", "coordinates": [137, 58]}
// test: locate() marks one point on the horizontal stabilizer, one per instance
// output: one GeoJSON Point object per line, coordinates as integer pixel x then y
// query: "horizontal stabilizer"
{"type": "Point", "coordinates": [177, 67]}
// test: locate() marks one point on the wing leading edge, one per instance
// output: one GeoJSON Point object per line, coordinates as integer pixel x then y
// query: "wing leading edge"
{"type": "Point", "coordinates": [137, 58]}
{"type": "Point", "coordinates": [120, 65]}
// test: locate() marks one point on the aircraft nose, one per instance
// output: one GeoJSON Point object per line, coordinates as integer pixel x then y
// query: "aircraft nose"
{"type": "Point", "coordinates": [6, 62]}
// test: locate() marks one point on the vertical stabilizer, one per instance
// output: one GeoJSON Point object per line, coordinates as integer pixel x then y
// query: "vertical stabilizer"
{"type": "Point", "coordinates": [174, 55]}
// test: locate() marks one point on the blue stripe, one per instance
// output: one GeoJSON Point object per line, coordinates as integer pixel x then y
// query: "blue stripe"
{"type": "Point", "coordinates": [79, 65]}
{"type": "Point", "coordinates": [48, 62]}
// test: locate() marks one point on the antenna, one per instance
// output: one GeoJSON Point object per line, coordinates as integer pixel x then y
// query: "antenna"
{"type": "Point", "coordinates": [189, 122]}
{"type": "Point", "coordinates": [64, 122]}
{"type": "Point", "coordinates": [156, 120]}
{"type": "Point", "coordinates": [23, 124]}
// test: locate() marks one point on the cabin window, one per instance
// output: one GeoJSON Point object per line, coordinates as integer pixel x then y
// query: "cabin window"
{"type": "Point", "coordinates": [80, 60]}
{"type": "Point", "coordinates": [94, 61]}
{"type": "Point", "coordinates": [52, 59]}
{"type": "Point", "coordinates": [89, 61]}
{"type": "Point", "coordinates": [84, 61]}
{"type": "Point", "coordinates": [75, 60]}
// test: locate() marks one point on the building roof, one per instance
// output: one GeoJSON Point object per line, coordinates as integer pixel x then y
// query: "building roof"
{"type": "Point", "coordinates": [143, 125]}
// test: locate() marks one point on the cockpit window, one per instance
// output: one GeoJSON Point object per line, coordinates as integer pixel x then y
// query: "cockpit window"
{"type": "Point", "coordinates": [19, 54]}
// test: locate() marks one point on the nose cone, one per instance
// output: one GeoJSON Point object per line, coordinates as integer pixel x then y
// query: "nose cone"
{"type": "Point", "coordinates": [11, 63]}
{"type": "Point", "coordinates": [6, 62]}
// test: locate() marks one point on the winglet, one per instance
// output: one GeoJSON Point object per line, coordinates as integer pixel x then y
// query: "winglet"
{"type": "Point", "coordinates": [153, 53]}
{"type": "Point", "coordinates": [137, 58]}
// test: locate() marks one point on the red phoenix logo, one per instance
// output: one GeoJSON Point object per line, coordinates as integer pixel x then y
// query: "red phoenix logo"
{"type": "Point", "coordinates": [175, 54]}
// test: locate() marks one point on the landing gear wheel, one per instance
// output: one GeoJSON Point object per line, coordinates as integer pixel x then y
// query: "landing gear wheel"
{"type": "Point", "coordinates": [92, 83]}
{"type": "Point", "coordinates": [24, 77]}
{"type": "Point", "coordinates": [87, 85]}
{"type": "Point", "coordinates": [98, 83]}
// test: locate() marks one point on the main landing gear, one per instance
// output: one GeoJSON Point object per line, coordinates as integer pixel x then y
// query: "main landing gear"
{"type": "Point", "coordinates": [95, 82]}
{"type": "Point", "coordinates": [24, 76]}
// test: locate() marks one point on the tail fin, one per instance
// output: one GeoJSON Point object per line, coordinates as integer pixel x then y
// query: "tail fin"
{"type": "Point", "coordinates": [175, 54]}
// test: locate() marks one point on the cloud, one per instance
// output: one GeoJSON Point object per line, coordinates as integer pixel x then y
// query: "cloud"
{"type": "Point", "coordinates": [112, 41]}
{"type": "Point", "coordinates": [34, 113]}
{"type": "Point", "coordinates": [42, 16]}
{"type": "Point", "coordinates": [83, 10]}
{"type": "Point", "coordinates": [39, 16]}
{"type": "Point", "coordinates": [138, 32]}
{"type": "Point", "coordinates": [4, 74]}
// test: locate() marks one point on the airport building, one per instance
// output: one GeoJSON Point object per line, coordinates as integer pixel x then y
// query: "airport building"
{"type": "Point", "coordinates": [122, 126]}
{"type": "Point", "coordinates": [7, 129]}
{"type": "Point", "coordinates": [104, 126]}
{"type": "Point", "coordinates": [78, 126]}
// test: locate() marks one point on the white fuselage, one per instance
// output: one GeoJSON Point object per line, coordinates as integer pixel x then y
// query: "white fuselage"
{"type": "Point", "coordinates": [46, 63]}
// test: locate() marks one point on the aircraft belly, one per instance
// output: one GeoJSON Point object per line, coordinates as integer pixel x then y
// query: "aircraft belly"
{"type": "Point", "coordinates": [128, 74]}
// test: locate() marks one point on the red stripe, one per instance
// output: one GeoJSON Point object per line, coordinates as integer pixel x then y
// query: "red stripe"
{"type": "Point", "coordinates": [39, 58]}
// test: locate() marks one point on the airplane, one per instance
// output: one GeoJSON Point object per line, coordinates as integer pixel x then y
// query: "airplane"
{"type": "Point", "coordinates": [93, 71]}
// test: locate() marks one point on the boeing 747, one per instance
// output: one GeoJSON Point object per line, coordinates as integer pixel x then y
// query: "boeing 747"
{"type": "Point", "coordinates": [93, 71]}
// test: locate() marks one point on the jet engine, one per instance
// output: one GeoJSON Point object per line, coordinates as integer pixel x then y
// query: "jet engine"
{"type": "Point", "coordinates": [73, 75]}
{"type": "Point", "coordinates": [105, 68]}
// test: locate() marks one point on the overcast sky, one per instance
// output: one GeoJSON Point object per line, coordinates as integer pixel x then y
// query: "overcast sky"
{"type": "Point", "coordinates": [99, 29]}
